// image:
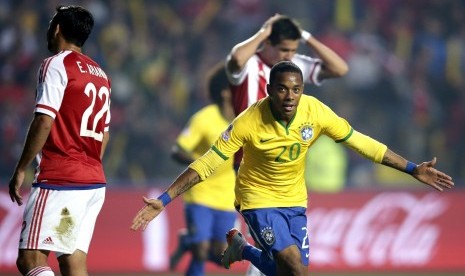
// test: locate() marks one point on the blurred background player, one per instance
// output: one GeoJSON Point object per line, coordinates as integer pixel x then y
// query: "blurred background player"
{"type": "Point", "coordinates": [249, 63]}
{"type": "Point", "coordinates": [67, 136]}
{"type": "Point", "coordinates": [209, 207]}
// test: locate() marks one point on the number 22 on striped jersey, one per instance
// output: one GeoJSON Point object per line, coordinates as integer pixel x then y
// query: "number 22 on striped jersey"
{"type": "Point", "coordinates": [91, 91]}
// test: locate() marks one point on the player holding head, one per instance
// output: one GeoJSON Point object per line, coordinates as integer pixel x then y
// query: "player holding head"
{"type": "Point", "coordinates": [276, 133]}
{"type": "Point", "coordinates": [67, 136]}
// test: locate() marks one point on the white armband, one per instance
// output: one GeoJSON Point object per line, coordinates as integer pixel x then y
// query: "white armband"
{"type": "Point", "coordinates": [305, 36]}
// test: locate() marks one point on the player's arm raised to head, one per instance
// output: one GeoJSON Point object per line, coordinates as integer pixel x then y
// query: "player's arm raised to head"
{"type": "Point", "coordinates": [333, 65]}
{"type": "Point", "coordinates": [244, 50]}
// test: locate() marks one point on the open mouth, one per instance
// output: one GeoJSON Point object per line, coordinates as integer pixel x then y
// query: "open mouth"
{"type": "Point", "coordinates": [288, 108]}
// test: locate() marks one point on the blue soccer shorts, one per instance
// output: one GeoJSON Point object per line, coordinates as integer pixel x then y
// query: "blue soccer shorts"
{"type": "Point", "coordinates": [205, 223]}
{"type": "Point", "coordinates": [275, 229]}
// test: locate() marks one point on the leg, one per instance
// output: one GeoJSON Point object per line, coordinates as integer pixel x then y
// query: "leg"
{"type": "Point", "coordinates": [216, 249]}
{"type": "Point", "coordinates": [288, 262]}
{"type": "Point", "coordinates": [199, 257]}
{"type": "Point", "coordinates": [29, 259]}
{"type": "Point", "coordinates": [183, 247]}
{"type": "Point", "coordinates": [73, 264]}
{"type": "Point", "coordinates": [200, 222]}
{"type": "Point", "coordinates": [223, 222]}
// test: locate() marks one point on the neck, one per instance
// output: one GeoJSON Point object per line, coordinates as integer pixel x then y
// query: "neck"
{"type": "Point", "coordinates": [73, 48]}
{"type": "Point", "coordinates": [65, 46]}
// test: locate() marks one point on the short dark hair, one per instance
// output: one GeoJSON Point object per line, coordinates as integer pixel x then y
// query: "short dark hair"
{"type": "Point", "coordinates": [284, 28]}
{"type": "Point", "coordinates": [75, 22]}
{"type": "Point", "coordinates": [217, 82]}
{"type": "Point", "coordinates": [284, 67]}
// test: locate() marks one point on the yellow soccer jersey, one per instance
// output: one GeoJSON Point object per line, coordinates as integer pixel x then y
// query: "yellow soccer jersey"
{"type": "Point", "coordinates": [272, 170]}
{"type": "Point", "coordinates": [217, 191]}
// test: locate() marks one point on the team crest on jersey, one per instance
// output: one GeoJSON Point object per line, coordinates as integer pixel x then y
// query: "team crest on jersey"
{"type": "Point", "coordinates": [268, 235]}
{"type": "Point", "coordinates": [306, 132]}
{"type": "Point", "coordinates": [226, 134]}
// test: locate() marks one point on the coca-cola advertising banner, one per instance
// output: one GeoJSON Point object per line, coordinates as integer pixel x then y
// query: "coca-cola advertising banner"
{"type": "Point", "coordinates": [349, 231]}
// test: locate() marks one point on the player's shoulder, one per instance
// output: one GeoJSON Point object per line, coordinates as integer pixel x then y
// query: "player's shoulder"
{"type": "Point", "coordinates": [205, 114]}
{"type": "Point", "coordinates": [254, 113]}
{"type": "Point", "coordinates": [311, 102]}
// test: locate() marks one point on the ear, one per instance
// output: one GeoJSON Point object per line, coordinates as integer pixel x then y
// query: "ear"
{"type": "Point", "coordinates": [57, 30]}
{"type": "Point", "coordinates": [268, 89]}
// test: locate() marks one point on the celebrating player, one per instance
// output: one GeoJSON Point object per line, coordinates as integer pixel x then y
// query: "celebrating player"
{"type": "Point", "coordinates": [275, 134]}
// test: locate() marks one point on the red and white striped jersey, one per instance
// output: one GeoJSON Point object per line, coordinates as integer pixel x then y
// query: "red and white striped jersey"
{"type": "Point", "coordinates": [75, 91]}
{"type": "Point", "coordinates": [249, 85]}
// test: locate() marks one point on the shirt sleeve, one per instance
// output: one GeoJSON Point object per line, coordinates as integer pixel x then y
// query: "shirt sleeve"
{"type": "Point", "coordinates": [366, 146]}
{"type": "Point", "coordinates": [51, 86]}
{"type": "Point", "coordinates": [207, 163]}
{"type": "Point", "coordinates": [342, 132]}
{"type": "Point", "coordinates": [190, 136]}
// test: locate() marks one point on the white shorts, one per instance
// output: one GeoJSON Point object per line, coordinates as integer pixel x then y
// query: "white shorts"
{"type": "Point", "coordinates": [60, 220]}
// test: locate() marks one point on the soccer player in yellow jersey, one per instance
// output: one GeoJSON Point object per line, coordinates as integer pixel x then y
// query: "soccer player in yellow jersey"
{"type": "Point", "coordinates": [275, 134]}
{"type": "Point", "coordinates": [209, 206]}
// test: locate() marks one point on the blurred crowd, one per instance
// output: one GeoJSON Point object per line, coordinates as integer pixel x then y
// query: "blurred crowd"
{"type": "Point", "coordinates": [405, 86]}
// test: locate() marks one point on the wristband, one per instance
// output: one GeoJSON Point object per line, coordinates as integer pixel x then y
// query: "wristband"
{"type": "Point", "coordinates": [165, 198]}
{"type": "Point", "coordinates": [410, 167]}
{"type": "Point", "coordinates": [305, 35]}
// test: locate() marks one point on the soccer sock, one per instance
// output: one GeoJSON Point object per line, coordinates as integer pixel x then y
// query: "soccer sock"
{"type": "Point", "coordinates": [41, 271]}
{"type": "Point", "coordinates": [263, 263]}
{"type": "Point", "coordinates": [196, 268]}
{"type": "Point", "coordinates": [215, 258]}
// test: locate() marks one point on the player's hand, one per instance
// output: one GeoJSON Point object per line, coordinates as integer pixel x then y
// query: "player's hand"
{"type": "Point", "coordinates": [267, 26]}
{"type": "Point", "coordinates": [150, 211]}
{"type": "Point", "coordinates": [426, 173]}
{"type": "Point", "coordinates": [14, 185]}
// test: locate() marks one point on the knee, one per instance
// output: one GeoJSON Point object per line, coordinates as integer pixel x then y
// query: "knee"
{"type": "Point", "coordinates": [290, 261]}
{"type": "Point", "coordinates": [30, 259]}
{"type": "Point", "coordinates": [200, 252]}
{"type": "Point", "coordinates": [22, 264]}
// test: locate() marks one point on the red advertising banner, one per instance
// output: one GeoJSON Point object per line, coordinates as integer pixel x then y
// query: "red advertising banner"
{"type": "Point", "coordinates": [349, 231]}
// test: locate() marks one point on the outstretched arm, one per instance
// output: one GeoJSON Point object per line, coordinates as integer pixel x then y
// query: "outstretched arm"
{"type": "Point", "coordinates": [243, 51]}
{"type": "Point", "coordinates": [154, 206]}
{"type": "Point", "coordinates": [379, 153]}
{"type": "Point", "coordinates": [333, 65]}
{"type": "Point", "coordinates": [424, 172]}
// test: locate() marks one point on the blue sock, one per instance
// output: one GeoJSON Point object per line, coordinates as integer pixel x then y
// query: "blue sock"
{"type": "Point", "coordinates": [196, 268]}
{"type": "Point", "coordinates": [215, 259]}
{"type": "Point", "coordinates": [259, 259]}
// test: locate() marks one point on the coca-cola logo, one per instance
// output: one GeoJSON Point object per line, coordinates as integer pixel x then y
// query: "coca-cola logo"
{"type": "Point", "coordinates": [392, 228]}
